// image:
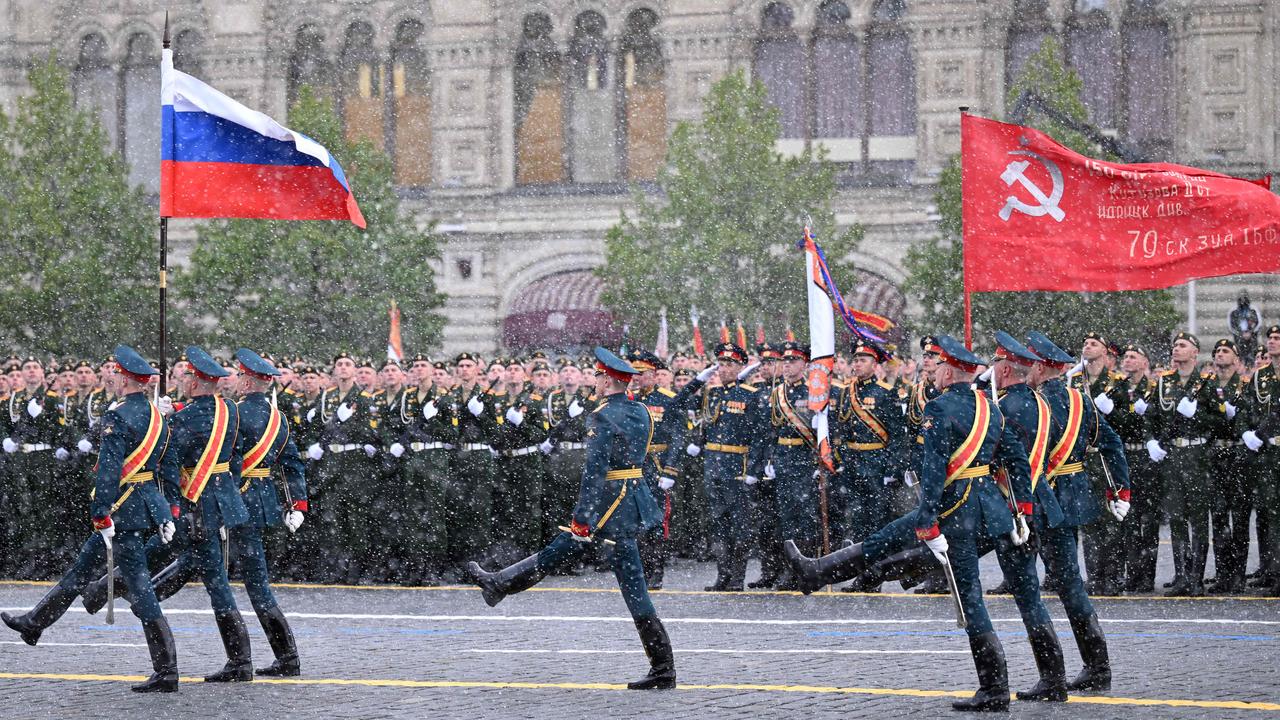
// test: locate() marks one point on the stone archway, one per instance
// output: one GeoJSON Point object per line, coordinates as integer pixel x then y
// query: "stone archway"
{"type": "Point", "coordinates": [559, 312]}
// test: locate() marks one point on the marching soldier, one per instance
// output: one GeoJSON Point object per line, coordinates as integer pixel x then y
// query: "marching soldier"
{"type": "Point", "coordinates": [1103, 539]}
{"type": "Point", "coordinates": [1078, 426]}
{"type": "Point", "coordinates": [1229, 511]}
{"type": "Point", "coordinates": [1179, 424]}
{"type": "Point", "coordinates": [428, 431]}
{"type": "Point", "coordinates": [963, 435]}
{"type": "Point", "coordinates": [1262, 438]}
{"type": "Point", "coordinates": [1142, 527]}
{"type": "Point", "coordinates": [733, 460]}
{"type": "Point", "coordinates": [614, 505]}
{"type": "Point", "coordinates": [127, 505]}
{"type": "Point", "coordinates": [470, 491]}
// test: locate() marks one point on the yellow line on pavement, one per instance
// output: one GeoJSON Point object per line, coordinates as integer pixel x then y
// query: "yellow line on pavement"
{"type": "Point", "coordinates": [740, 687]}
{"type": "Point", "coordinates": [700, 593]}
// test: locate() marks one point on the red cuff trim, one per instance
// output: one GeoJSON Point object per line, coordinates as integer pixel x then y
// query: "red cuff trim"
{"type": "Point", "coordinates": [175, 510]}
{"type": "Point", "coordinates": [102, 523]}
{"type": "Point", "coordinates": [300, 505]}
{"type": "Point", "coordinates": [579, 529]}
{"type": "Point", "coordinates": [1026, 508]}
{"type": "Point", "coordinates": [928, 533]}
{"type": "Point", "coordinates": [1123, 495]}
{"type": "Point", "coordinates": [177, 407]}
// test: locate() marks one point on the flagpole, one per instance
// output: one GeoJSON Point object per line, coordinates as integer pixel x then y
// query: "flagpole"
{"type": "Point", "coordinates": [164, 271]}
{"type": "Point", "coordinates": [968, 298]}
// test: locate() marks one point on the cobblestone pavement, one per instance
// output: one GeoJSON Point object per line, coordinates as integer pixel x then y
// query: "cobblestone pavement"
{"type": "Point", "coordinates": [567, 648]}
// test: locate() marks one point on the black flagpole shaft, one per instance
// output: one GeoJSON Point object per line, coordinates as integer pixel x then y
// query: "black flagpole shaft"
{"type": "Point", "coordinates": [164, 273]}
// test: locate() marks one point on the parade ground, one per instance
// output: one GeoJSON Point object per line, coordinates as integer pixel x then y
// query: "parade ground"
{"type": "Point", "coordinates": [567, 648]}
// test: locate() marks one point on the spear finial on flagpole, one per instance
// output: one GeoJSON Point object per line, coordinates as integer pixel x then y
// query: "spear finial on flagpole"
{"type": "Point", "coordinates": [166, 30]}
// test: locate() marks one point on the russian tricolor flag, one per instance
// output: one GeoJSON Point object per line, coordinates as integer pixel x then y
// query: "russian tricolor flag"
{"type": "Point", "coordinates": [219, 159]}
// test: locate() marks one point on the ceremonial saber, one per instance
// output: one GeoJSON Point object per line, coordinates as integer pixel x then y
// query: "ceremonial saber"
{"type": "Point", "coordinates": [961, 621]}
{"type": "Point", "coordinates": [592, 538]}
{"type": "Point", "coordinates": [111, 583]}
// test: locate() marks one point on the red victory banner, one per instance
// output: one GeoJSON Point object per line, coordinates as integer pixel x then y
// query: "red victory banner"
{"type": "Point", "coordinates": [1038, 216]}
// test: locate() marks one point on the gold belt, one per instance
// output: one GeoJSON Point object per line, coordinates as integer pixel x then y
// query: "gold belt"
{"type": "Point", "coordinates": [864, 445]}
{"type": "Point", "coordinates": [1067, 469]}
{"type": "Point", "coordinates": [791, 442]}
{"type": "Point", "coordinates": [658, 447]}
{"type": "Point", "coordinates": [624, 474]}
{"type": "Point", "coordinates": [217, 468]}
{"type": "Point", "coordinates": [138, 477]}
{"type": "Point", "coordinates": [735, 449]}
{"type": "Point", "coordinates": [249, 475]}
{"type": "Point", "coordinates": [973, 471]}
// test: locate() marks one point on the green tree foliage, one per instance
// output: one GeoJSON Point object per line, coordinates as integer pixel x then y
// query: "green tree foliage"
{"type": "Point", "coordinates": [78, 246]}
{"type": "Point", "coordinates": [723, 237]}
{"type": "Point", "coordinates": [934, 266]}
{"type": "Point", "coordinates": [319, 286]}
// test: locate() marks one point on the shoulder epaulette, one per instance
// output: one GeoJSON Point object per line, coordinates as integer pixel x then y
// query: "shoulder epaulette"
{"type": "Point", "coordinates": [535, 396]}
{"type": "Point", "coordinates": [51, 393]}
{"type": "Point", "coordinates": [1167, 373]}
{"type": "Point", "coordinates": [666, 392]}
{"type": "Point", "coordinates": [748, 387]}
{"type": "Point", "coordinates": [885, 385]}
{"type": "Point", "coordinates": [600, 407]}
{"type": "Point", "coordinates": [840, 384]}
{"type": "Point", "coordinates": [366, 393]}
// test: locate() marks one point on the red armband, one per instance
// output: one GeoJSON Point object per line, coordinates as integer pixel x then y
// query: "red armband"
{"type": "Point", "coordinates": [1123, 495]}
{"type": "Point", "coordinates": [579, 529]}
{"type": "Point", "coordinates": [929, 533]}
{"type": "Point", "coordinates": [300, 505]}
{"type": "Point", "coordinates": [1026, 508]}
{"type": "Point", "coordinates": [102, 523]}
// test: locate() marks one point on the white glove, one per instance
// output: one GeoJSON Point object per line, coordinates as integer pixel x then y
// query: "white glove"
{"type": "Point", "coordinates": [1186, 407]}
{"type": "Point", "coordinates": [311, 414]}
{"type": "Point", "coordinates": [666, 483]}
{"type": "Point", "coordinates": [1104, 404]}
{"type": "Point", "coordinates": [909, 477]}
{"type": "Point", "coordinates": [938, 546]}
{"type": "Point", "coordinates": [84, 445]}
{"type": "Point", "coordinates": [1251, 440]}
{"type": "Point", "coordinates": [107, 533]}
{"type": "Point", "coordinates": [705, 375]}
{"type": "Point", "coordinates": [1140, 406]}
{"type": "Point", "coordinates": [746, 371]}
{"type": "Point", "coordinates": [692, 450]}
{"type": "Point", "coordinates": [1020, 533]}
{"type": "Point", "coordinates": [61, 453]}
{"type": "Point", "coordinates": [34, 408]}
{"type": "Point", "coordinates": [293, 520]}
{"type": "Point", "coordinates": [1231, 411]}
{"type": "Point", "coordinates": [1156, 452]}
{"type": "Point", "coordinates": [430, 410]}
{"type": "Point", "coordinates": [222, 533]}
{"type": "Point", "coordinates": [750, 479]}
{"type": "Point", "coordinates": [344, 412]}
{"type": "Point", "coordinates": [1119, 508]}
{"type": "Point", "coordinates": [315, 452]}
{"type": "Point", "coordinates": [475, 407]}
{"type": "Point", "coordinates": [370, 450]}
{"type": "Point", "coordinates": [545, 447]}
{"type": "Point", "coordinates": [770, 472]}
{"type": "Point", "coordinates": [889, 480]}
{"type": "Point", "coordinates": [10, 446]}
{"type": "Point", "coordinates": [575, 409]}
{"type": "Point", "coordinates": [986, 374]}
{"type": "Point", "coordinates": [396, 450]}
{"type": "Point", "coordinates": [167, 529]}
{"type": "Point", "coordinates": [514, 416]}
{"type": "Point", "coordinates": [165, 405]}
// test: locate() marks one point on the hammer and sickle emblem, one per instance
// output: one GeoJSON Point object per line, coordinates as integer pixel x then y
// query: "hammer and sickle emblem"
{"type": "Point", "coordinates": [1048, 204]}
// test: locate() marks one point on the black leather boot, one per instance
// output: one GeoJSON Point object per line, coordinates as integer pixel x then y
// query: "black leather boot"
{"type": "Point", "coordinates": [662, 663]}
{"type": "Point", "coordinates": [910, 567]}
{"type": "Point", "coordinates": [164, 658]}
{"type": "Point", "coordinates": [46, 612]}
{"type": "Point", "coordinates": [1096, 674]}
{"type": "Point", "coordinates": [812, 574]}
{"type": "Point", "coordinates": [94, 596]}
{"type": "Point", "coordinates": [1052, 686]}
{"type": "Point", "coordinates": [235, 639]}
{"type": "Point", "coordinates": [507, 581]}
{"type": "Point", "coordinates": [280, 636]}
{"type": "Point", "coordinates": [173, 578]}
{"type": "Point", "coordinates": [993, 676]}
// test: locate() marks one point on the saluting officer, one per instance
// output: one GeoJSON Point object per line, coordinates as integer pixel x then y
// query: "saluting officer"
{"type": "Point", "coordinates": [1078, 426]}
{"type": "Point", "coordinates": [963, 435]}
{"type": "Point", "coordinates": [614, 505]}
{"type": "Point", "coordinates": [127, 506]}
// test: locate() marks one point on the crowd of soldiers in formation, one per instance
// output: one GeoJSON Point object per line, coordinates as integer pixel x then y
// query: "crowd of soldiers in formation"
{"type": "Point", "coordinates": [416, 467]}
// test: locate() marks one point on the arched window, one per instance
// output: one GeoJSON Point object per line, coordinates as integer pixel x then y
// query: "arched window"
{"type": "Point", "coordinates": [1148, 79]}
{"type": "Point", "coordinates": [308, 65]}
{"type": "Point", "coordinates": [891, 72]}
{"type": "Point", "coordinates": [141, 83]}
{"type": "Point", "coordinates": [361, 86]}
{"type": "Point", "coordinates": [1026, 34]}
{"type": "Point", "coordinates": [411, 107]}
{"type": "Point", "coordinates": [838, 78]}
{"type": "Point", "coordinates": [94, 85]}
{"type": "Point", "coordinates": [644, 96]}
{"type": "Point", "coordinates": [188, 49]}
{"type": "Point", "coordinates": [1093, 51]}
{"type": "Point", "coordinates": [539, 105]}
{"type": "Point", "coordinates": [592, 125]}
{"type": "Point", "coordinates": [780, 65]}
